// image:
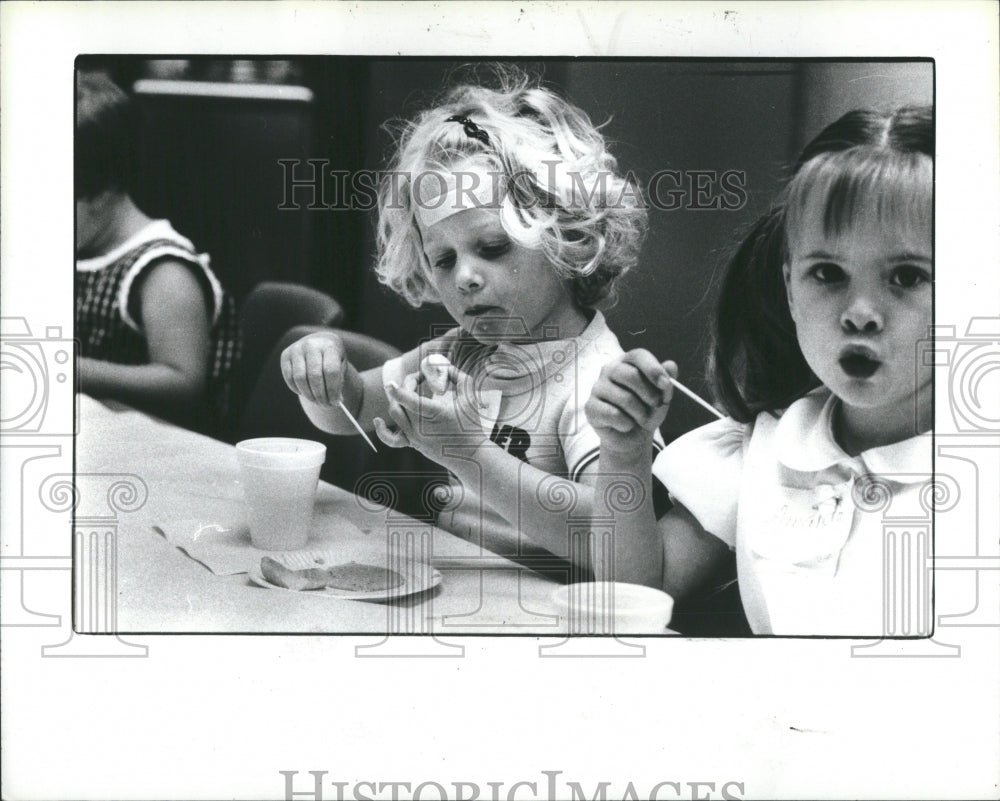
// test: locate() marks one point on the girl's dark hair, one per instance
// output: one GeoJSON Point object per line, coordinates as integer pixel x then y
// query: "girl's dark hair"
{"type": "Point", "coordinates": [104, 151]}
{"type": "Point", "coordinates": [755, 363]}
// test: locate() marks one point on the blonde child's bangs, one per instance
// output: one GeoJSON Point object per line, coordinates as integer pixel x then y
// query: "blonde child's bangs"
{"type": "Point", "coordinates": [862, 186]}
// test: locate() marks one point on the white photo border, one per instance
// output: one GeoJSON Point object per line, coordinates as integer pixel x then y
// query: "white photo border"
{"type": "Point", "coordinates": [250, 717]}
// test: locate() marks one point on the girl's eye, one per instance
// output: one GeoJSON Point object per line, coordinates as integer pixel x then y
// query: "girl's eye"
{"type": "Point", "coordinates": [494, 249]}
{"type": "Point", "coordinates": [910, 276]}
{"type": "Point", "coordinates": [827, 272]}
{"type": "Point", "coordinates": [444, 262]}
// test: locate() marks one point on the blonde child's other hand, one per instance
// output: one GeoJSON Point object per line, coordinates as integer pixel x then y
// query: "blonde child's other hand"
{"type": "Point", "coordinates": [392, 436]}
{"type": "Point", "coordinates": [429, 422]}
{"type": "Point", "coordinates": [395, 432]}
{"type": "Point", "coordinates": [314, 367]}
{"type": "Point", "coordinates": [630, 400]}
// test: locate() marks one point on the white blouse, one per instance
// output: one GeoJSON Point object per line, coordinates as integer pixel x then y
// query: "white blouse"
{"type": "Point", "coordinates": [808, 522]}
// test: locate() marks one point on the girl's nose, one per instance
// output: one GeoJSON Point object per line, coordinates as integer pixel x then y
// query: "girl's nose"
{"type": "Point", "coordinates": [468, 276]}
{"type": "Point", "coordinates": [862, 315]}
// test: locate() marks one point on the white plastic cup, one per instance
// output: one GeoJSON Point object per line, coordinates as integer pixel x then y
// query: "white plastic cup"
{"type": "Point", "coordinates": [279, 477]}
{"type": "Point", "coordinates": [613, 607]}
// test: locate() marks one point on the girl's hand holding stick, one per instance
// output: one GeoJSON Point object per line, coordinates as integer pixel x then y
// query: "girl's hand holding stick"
{"type": "Point", "coordinates": [631, 399]}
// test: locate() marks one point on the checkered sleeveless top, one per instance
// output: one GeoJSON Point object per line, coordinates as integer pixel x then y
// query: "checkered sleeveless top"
{"type": "Point", "coordinates": [107, 330]}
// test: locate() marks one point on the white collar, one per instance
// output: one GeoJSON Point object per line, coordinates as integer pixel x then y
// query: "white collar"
{"type": "Point", "coordinates": [520, 368]}
{"type": "Point", "coordinates": [155, 229]}
{"type": "Point", "coordinates": [549, 347]}
{"type": "Point", "coordinates": [805, 443]}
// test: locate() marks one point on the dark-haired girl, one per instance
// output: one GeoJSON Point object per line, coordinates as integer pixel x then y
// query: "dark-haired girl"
{"type": "Point", "coordinates": [817, 360]}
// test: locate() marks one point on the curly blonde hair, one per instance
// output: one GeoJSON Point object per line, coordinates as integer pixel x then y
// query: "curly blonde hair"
{"type": "Point", "coordinates": [561, 190]}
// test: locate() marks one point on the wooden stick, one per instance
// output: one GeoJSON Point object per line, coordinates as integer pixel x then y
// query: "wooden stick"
{"type": "Point", "coordinates": [357, 425]}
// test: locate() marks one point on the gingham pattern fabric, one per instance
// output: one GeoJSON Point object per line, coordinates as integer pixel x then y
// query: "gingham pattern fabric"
{"type": "Point", "coordinates": [106, 331]}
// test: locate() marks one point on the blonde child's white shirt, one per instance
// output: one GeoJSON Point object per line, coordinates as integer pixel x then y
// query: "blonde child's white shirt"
{"type": "Point", "coordinates": [538, 391]}
{"type": "Point", "coordinates": [808, 522]}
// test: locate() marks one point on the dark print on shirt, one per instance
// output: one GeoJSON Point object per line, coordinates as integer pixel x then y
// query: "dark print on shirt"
{"type": "Point", "coordinates": [513, 440]}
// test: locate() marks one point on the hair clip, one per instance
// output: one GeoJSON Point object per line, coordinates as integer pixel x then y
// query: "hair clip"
{"type": "Point", "coordinates": [472, 130]}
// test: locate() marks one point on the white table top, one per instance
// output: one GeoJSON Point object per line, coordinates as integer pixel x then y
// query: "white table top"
{"type": "Point", "coordinates": [183, 474]}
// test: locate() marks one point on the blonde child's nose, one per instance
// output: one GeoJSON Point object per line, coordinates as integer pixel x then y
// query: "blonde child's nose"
{"type": "Point", "coordinates": [467, 276]}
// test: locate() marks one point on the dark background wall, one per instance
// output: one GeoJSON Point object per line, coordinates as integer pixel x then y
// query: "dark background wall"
{"type": "Point", "coordinates": [212, 166]}
{"type": "Point", "coordinates": [707, 116]}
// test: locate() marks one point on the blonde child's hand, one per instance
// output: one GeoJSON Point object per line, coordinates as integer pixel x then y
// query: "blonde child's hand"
{"type": "Point", "coordinates": [425, 423]}
{"type": "Point", "coordinates": [436, 374]}
{"type": "Point", "coordinates": [315, 368]}
{"type": "Point", "coordinates": [630, 401]}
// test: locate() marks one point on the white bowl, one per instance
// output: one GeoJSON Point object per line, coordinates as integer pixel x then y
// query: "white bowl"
{"type": "Point", "coordinates": [613, 607]}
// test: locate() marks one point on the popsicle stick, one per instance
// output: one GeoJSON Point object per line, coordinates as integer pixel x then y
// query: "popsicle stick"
{"type": "Point", "coordinates": [696, 399]}
{"type": "Point", "coordinates": [357, 425]}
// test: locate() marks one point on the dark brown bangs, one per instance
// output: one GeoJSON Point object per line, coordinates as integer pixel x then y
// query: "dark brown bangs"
{"type": "Point", "coordinates": [863, 186]}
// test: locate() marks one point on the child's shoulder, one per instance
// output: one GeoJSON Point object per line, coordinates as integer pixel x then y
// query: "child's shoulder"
{"type": "Point", "coordinates": [703, 471]}
{"type": "Point", "coordinates": [708, 445]}
{"type": "Point", "coordinates": [596, 345]}
{"type": "Point", "coordinates": [158, 235]}
{"type": "Point", "coordinates": [598, 334]}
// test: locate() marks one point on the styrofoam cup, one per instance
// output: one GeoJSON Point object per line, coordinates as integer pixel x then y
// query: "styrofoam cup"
{"type": "Point", "coordinates": [613, 607]}
{"type": "Point", "coordinates": [279, 477]}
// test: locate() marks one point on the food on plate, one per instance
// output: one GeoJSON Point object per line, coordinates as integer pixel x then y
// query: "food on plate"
{"type": "Point", "coordinates": [362, 578]}
{"type": "Point", "coordinates": [312, 578]}
{"type": "Point", "coordinates": [351, 576]}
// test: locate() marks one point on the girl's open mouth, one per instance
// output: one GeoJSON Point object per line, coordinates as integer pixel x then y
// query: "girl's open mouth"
{"type": "Point", "coordinates": [859, 364]}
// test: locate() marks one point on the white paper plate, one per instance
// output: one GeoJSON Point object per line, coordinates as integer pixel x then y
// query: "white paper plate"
{"type": "Point", "coordinates": [417, 576]}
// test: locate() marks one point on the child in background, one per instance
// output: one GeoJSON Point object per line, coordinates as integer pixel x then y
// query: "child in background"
{"type": "Point", "coordinates": [504, 206]}
{"type": "Point", "coordinates": [815, 358]}
{"type": "Point", "coordinates": [156, 329]}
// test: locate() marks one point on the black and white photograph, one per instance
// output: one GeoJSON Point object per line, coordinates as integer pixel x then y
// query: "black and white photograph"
{"type": "Point", "coordinates": [446, 288]}
{"type": "Point", "coordinates": [615, 372]}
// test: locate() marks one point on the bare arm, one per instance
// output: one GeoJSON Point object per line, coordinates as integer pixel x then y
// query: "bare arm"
{"type": "Point", "coordinates": [673, 553]}
{"type": "Point", "coordinates": [537, 503]}
{"type": "Point", "coordinates": [540, 505]}
{"type": "Point", "coordinates": [627, 404]}
{"type": "Point", "coordinates": [317, 370]}
{"type": "Point", "coordinates": [176, 325]}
